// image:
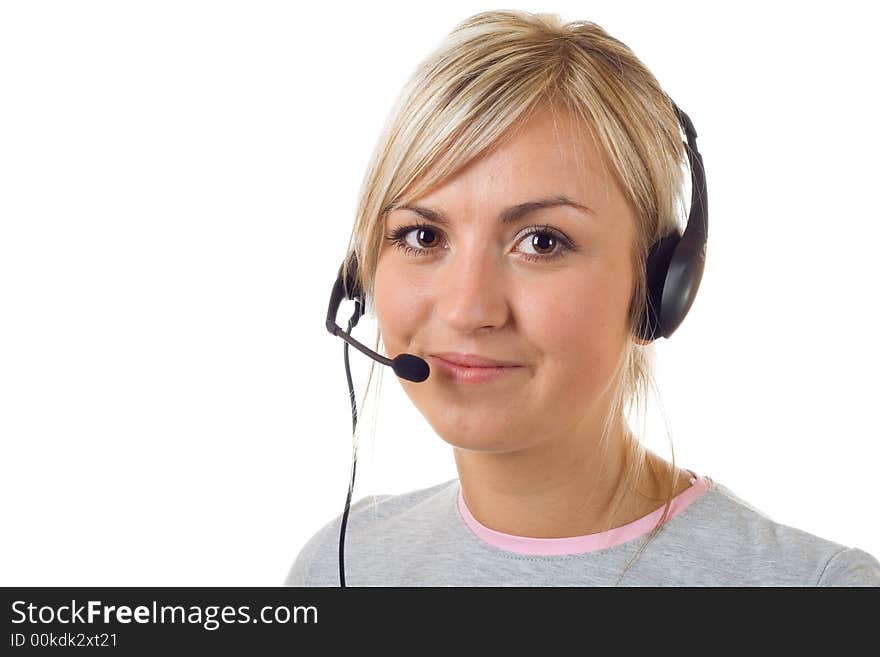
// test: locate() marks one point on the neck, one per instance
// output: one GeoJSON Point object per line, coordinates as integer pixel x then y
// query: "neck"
{"type": "Point", "coordinates": [560, 488]}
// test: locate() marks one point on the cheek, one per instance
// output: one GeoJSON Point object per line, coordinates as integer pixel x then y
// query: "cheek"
{"type": "Point", "coordinates": [580, 329]}
{"type": "Point", "coordinates": [397, 312]}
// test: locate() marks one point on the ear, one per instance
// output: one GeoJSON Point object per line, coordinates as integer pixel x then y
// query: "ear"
{"type": "Point", "coordinates": [642, 342]}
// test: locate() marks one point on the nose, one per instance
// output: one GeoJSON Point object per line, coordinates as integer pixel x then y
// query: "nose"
{"type": "Point", "coordinates": [471, 291]}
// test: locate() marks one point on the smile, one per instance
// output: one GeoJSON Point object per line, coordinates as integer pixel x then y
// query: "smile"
{"type": "Point", "coordinates": [465, 374]}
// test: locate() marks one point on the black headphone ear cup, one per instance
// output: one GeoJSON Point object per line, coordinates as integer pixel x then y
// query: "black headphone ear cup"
{"type": "Point", "coordinates": [657, 268]}
{"type": "Point", "coordinates": [353, 289]}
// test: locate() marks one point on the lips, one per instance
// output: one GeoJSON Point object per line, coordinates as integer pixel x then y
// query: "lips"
{"type": "Point", "coordinates": [476, 370]}
{"type": "Point", "coordinates": [473, 360]}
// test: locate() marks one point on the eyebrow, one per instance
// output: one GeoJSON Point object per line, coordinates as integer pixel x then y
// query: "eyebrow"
{"type": "Point", "coordinates": [508, 215]}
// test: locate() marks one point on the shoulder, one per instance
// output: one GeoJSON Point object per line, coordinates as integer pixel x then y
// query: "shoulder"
{"type": "Point", "coordinates": [851, 567]}
{"type": "Point", "coordinates": [370, 515]}
{"type": "Point", "coordinates": [754, 549]}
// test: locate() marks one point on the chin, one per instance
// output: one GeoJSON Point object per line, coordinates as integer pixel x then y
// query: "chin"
{"type": "Point", "coordinates": [478, 438]}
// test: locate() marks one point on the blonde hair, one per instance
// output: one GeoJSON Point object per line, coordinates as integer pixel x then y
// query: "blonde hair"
{"type": "Point", "coordinates": [493, 71]}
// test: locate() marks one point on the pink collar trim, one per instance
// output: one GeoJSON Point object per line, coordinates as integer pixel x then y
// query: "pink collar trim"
{"type": "Point", "coordinates": [590, 542]}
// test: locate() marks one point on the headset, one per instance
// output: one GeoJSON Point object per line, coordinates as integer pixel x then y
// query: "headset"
{"type": "Point", "coordinates": [674, 268]}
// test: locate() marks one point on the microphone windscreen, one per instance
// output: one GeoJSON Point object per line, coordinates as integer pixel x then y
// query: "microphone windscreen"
{"type": "Point", "coordinates": [411, 368]}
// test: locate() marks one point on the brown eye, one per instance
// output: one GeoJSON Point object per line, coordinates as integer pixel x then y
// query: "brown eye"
{"type": "Point", "coordinates": [426, 237]}
{"type": "Point", "coordinates": [543, 243]}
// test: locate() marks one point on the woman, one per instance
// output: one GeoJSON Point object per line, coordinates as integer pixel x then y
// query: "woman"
{"type": "Point", "coordinates": [502, 235]}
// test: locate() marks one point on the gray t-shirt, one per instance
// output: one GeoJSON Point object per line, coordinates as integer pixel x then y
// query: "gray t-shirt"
{"type": "Point", "coordinates": [711, 538]}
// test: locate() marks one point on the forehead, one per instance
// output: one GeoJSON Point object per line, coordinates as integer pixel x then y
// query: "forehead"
{"type": "Point", "coordinates": [549, 154]}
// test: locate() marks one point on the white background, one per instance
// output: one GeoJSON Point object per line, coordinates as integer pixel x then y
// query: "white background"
{"type": "Point", "coordinates": [177, 185]}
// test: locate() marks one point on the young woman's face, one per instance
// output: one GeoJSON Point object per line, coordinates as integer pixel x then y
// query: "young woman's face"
{"type": "Point", "coordinates": [552, 302]}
